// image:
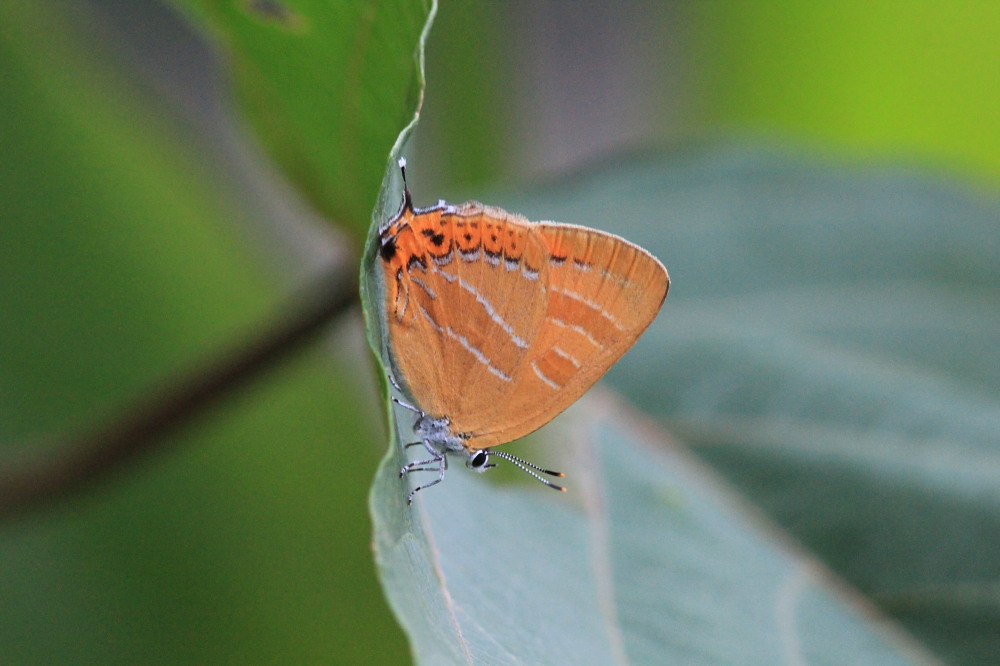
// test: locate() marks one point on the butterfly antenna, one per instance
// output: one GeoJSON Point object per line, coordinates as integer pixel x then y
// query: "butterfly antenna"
{"type": "Point", "coordinates": [528, 467]}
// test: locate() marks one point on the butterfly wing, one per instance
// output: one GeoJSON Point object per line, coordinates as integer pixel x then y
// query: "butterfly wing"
{"type": "Point", "coordinates": [463, 302]}
{"type": "Point", "coordinates": [601, 293]}
{"type": "Point", "coordinates": [500, 324]}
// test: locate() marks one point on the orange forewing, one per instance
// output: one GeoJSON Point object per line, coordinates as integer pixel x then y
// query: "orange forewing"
{"type": "Point", "coordinates": [498, 323]}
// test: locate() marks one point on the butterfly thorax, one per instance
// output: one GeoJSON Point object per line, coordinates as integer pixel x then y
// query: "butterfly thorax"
{"type": "Point", "coordinates": [437, 433]}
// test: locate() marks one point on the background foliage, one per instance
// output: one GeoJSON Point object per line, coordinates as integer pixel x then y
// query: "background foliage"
{"type": "Point", "coordinates": [143, 231]}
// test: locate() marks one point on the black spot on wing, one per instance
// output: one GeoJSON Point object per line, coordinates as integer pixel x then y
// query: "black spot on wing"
{"type": "Point", "coordinates": [436, 239]}
{"type": "Point", "coordinates": [387, 248]}
{"type": "Point", "coordinates": [416, 260]}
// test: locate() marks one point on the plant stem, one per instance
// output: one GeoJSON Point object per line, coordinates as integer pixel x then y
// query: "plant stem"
{"type": "Point", "coordinates": [66, 469]}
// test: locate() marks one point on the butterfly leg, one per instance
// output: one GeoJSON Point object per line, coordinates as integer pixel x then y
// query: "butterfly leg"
{"type": "Point", "coordinates": [441, 469]}
{"type": "Point", "coordinates": [432, 464]}
{"type": "Point", "coordinates": [437, 463]}
{"type": "Point", "coordinates": [402, 403]}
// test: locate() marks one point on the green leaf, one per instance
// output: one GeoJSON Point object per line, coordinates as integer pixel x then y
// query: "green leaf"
{"type": "Point", "coordinates": [646, 559]}
{"type": "Point", "coordinates": [643, 561]}
{"type": "Point", "coordinates": [832, 344]}
{"type": "Point", "coordinates": [325, 85]}
{"type": "Point", "coordinates": [122, 266]}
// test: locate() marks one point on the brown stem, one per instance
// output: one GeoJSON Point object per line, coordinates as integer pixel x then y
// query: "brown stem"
{"type": "Point", "coordinates": [83, 460]}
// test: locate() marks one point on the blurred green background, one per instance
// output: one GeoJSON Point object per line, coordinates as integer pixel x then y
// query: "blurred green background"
{"type": "Point", "coordinates": [557, 84]}
{"type": "Point", "coordinates": [144, 229]}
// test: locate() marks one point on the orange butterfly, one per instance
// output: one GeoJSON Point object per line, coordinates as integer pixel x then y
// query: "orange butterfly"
{"type": "Point", "coordinates": [497, 324]}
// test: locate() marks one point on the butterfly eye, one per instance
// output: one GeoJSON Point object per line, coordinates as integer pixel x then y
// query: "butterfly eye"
{"type": "Point", "coordinates": [479, 460]}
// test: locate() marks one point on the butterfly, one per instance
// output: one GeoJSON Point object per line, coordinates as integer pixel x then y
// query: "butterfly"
{"type": "Point", "coordinates": [496, 324]}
